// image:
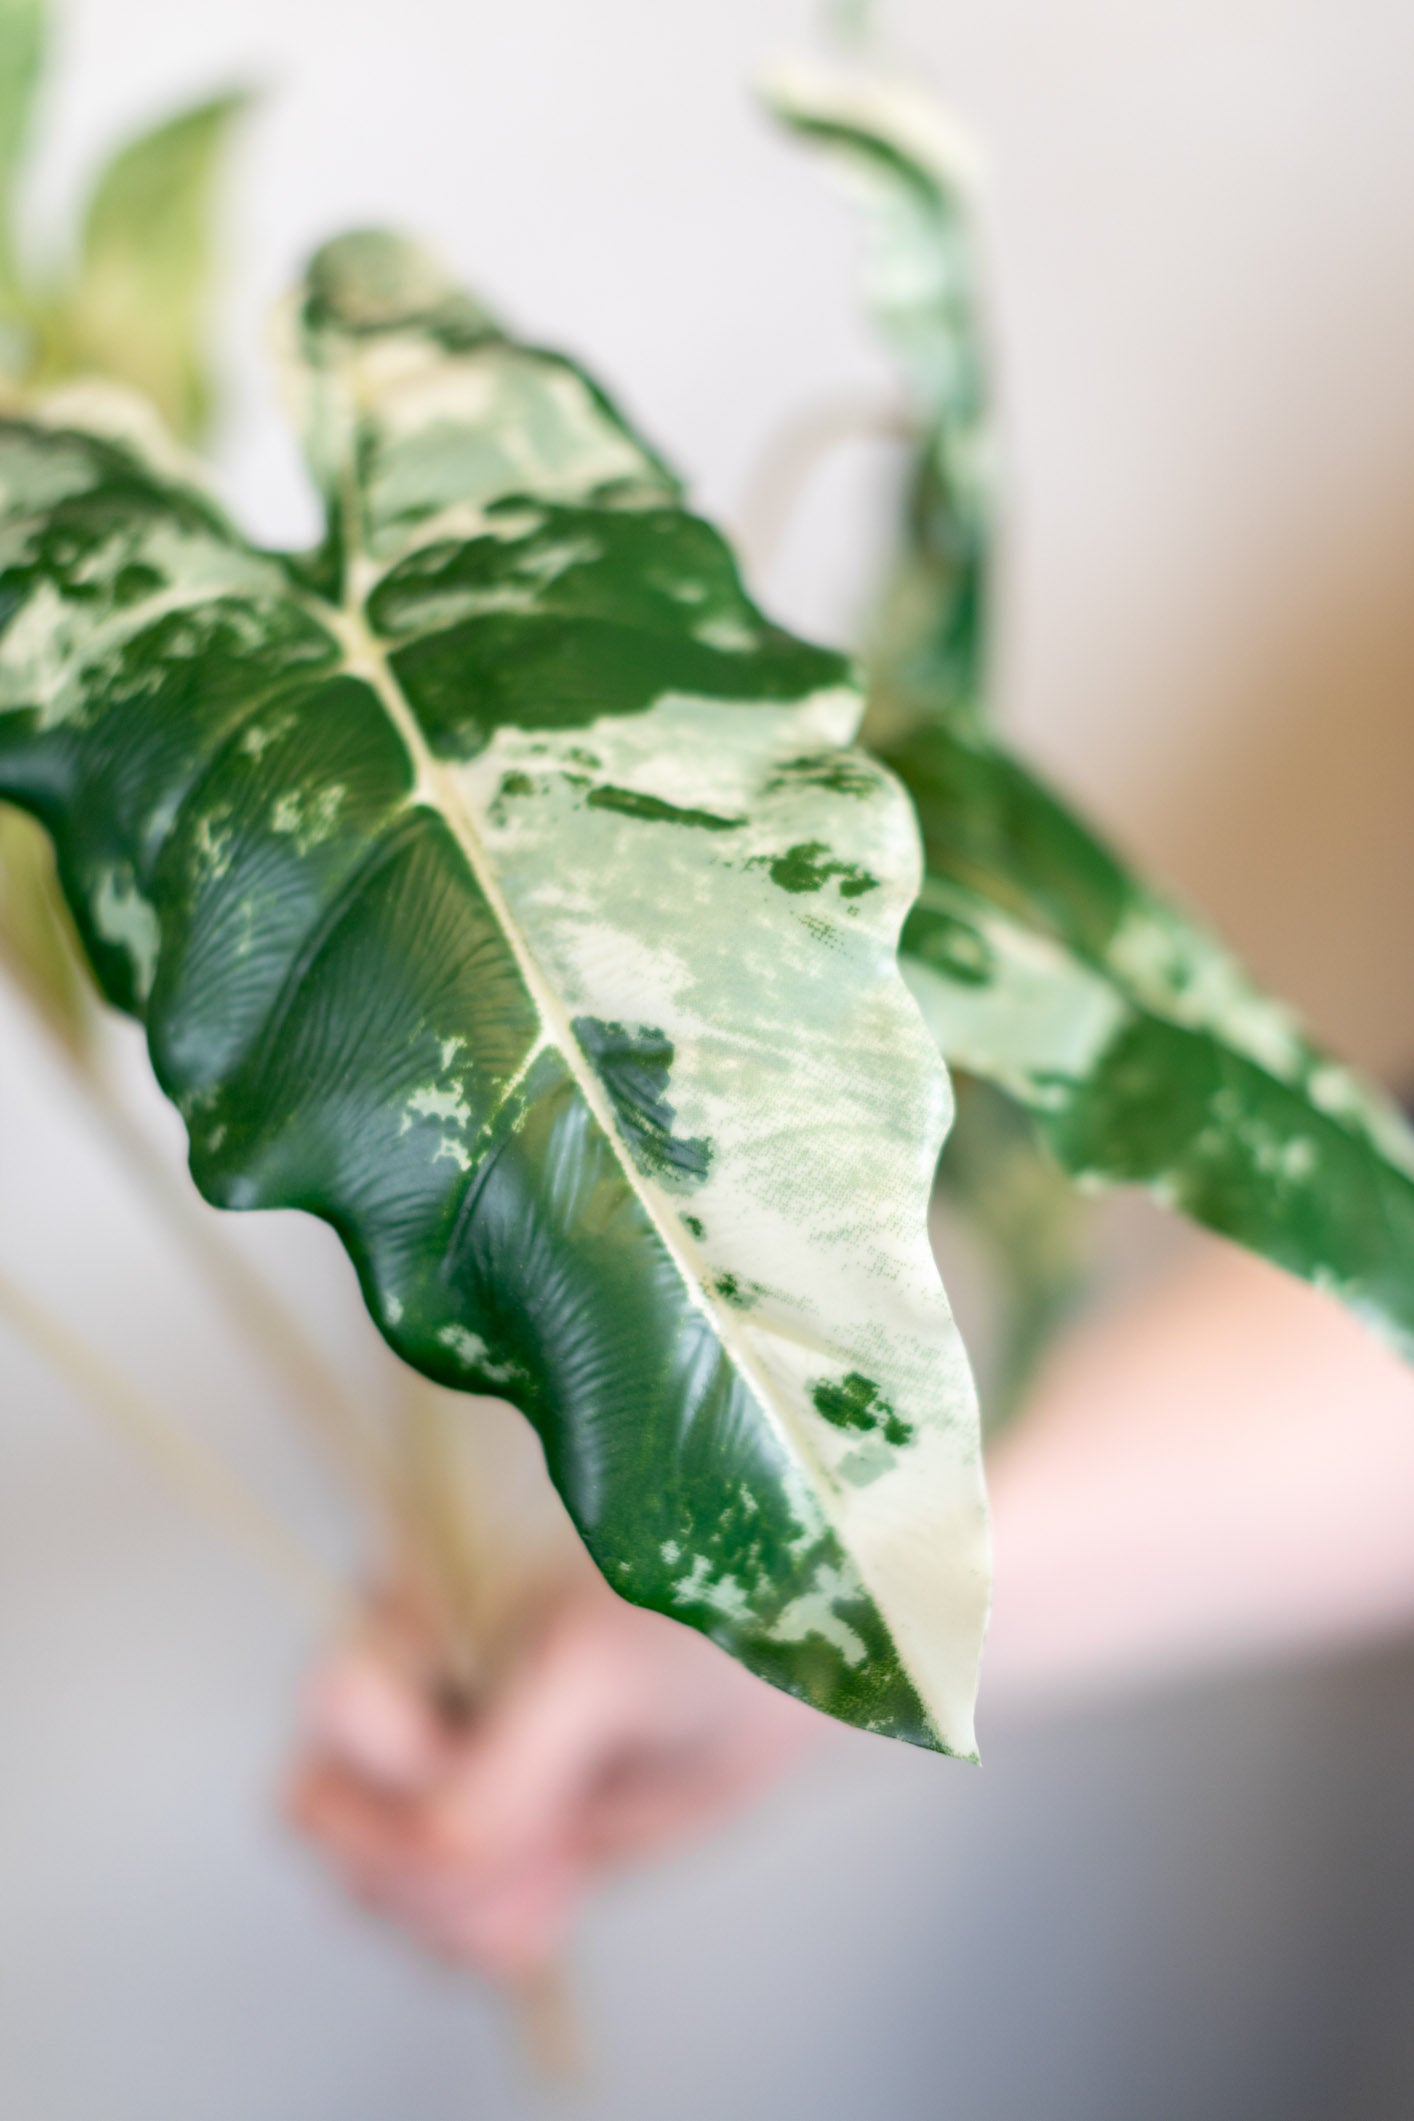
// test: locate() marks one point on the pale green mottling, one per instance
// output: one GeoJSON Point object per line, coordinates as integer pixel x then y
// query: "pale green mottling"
{"type": "Point", "coordinates": [126, 919]}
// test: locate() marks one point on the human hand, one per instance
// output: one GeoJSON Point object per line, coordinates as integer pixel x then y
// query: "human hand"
{"type": "Point", "coordinates": [612, 1733]}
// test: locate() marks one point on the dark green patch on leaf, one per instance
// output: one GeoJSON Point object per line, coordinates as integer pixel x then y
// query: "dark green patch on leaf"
{"type": "Point", "coordinates": [732, 1290]}
{"type": "Point", "coordinates": [856, 1402]}
{"type": "Point", "coordinates": [834, 771]}
{"type": "Point", "coordinates": [810, 865]}
{"type": "Point", "coordinates": [633, 803]}
{"type": "Point", "coordinates": [634, 1064]}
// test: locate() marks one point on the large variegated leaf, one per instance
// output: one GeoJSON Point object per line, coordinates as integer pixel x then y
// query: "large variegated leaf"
{"type": "Point", "coordinates": [1138, 1042]}
{"type": "Point", "coordinates": [495, 886]}
{"type": "Point", "coordinates": [1141, 1047]}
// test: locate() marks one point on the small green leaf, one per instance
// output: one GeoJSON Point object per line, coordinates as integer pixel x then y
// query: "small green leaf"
{"type": "Point", "coordinates": [511, 901]}
{"type": "Point", "coordinates": [137, 310]}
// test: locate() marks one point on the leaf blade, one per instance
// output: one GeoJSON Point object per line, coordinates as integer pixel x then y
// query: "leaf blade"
{"type": "Point", "coordinates": [1143, 1051]}
{"type": "Point", "coordinates": [400, 971]}
{"type": "Point", "coordinates": [912, 176]}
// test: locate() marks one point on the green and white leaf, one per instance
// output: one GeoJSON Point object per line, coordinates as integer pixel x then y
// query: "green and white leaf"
{"type": "Point", "coordinates": [137, 307]}
{"type": "Point", "coordinates": [496, 884]}
{"type": "Point", "coordinates": [1140, 1045]}
{"type": "Point", "coordinates": [912, 175]}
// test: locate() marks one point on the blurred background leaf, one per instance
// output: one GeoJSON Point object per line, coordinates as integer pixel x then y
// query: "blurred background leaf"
{"type": "Point", "coordinates": [1018, 1211]}
{"type": "Point", "coordinates": [137, 310]}
{"type": "Point", "coordinates": [22, 40]}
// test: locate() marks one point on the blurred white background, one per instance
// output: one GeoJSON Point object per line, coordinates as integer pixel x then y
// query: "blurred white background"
{"type": "Point", "coordinates": [1201, 220]}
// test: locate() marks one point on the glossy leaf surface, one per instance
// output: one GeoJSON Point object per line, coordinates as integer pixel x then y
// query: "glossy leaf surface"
{"type": "Point", "coordinates": [495, 885]}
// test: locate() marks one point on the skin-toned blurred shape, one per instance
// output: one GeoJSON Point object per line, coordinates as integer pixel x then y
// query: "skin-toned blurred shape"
{"type": "Point", "coordinates": [615, 1734]}
{"type": "Point", "coordinates": [1222, 1469]}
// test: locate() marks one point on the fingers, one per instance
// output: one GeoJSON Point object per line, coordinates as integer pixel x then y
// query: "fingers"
{"type": "Point", "coordinates": [507, 1920]}
{"type": "Point", "coordinates": [614, 1734]}
{"type": "Point", "coordinates": [510, 1931]}
{"type": "Point", "coordinates": [458, 1831]}
{"type": "Point", "coordinates": [365, 1716]}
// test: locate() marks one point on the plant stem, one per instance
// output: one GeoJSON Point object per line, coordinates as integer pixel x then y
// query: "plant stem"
{"type": "Point", "coordinates": [335, 1417]}
{"type": "Point", "coordinates": [336, 1420]}
{"type": "Point", "coordinates": [197, 1475]}
{"type": "Point", "coordinates": [790, 459]}
{"type": "Point", "coordinates": [453, 1565]}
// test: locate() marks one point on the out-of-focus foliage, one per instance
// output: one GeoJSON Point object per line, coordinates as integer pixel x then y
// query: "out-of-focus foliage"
{"type": "Point", "coordinates": [1144, 1052]}
{"type": "Point", "coordinates": [911, 178]}
{"type": "Point", "coordinates": [21, 56]}
{"type": "Point", "coordinates": [36, 942]}
{"type": "Point", "coordinates": [1041, 962]}
{"type": "Point", "coordinates": [1018, 1211]}
{"type": "Point", "coordinates": [133, 308]}
{"type": "Point", "coordinates": [133, 305]}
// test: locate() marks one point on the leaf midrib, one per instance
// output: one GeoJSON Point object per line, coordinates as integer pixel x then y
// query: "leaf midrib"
{"type": "Point", "coordinates": [366, 658]}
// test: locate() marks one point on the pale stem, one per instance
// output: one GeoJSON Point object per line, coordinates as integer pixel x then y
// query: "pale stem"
{"type": "Point", "coordinates": [197, 1475]}
{"type": "Point", "coordinates": [790, 459]}
{"type": "Point", "coordinates": [333, 1416]}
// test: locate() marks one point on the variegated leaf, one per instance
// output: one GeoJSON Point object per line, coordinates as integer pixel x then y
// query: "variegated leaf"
{"type": "Point", "coordinates": [496, 886]}
{"type": "Point", "coordinates": [1138, 1042]}
{"type": "Point", "coordinates": [912, 176]}
{"type": "Point", "coordinates": [1140, 1045]}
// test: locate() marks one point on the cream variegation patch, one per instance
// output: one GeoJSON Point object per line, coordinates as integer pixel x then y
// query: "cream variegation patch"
{"type": "Point", "coordinates": [800, 1058]}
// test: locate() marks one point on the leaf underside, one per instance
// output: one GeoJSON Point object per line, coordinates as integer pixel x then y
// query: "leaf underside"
{"type": "Point", "coordinates": [494, 884]}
